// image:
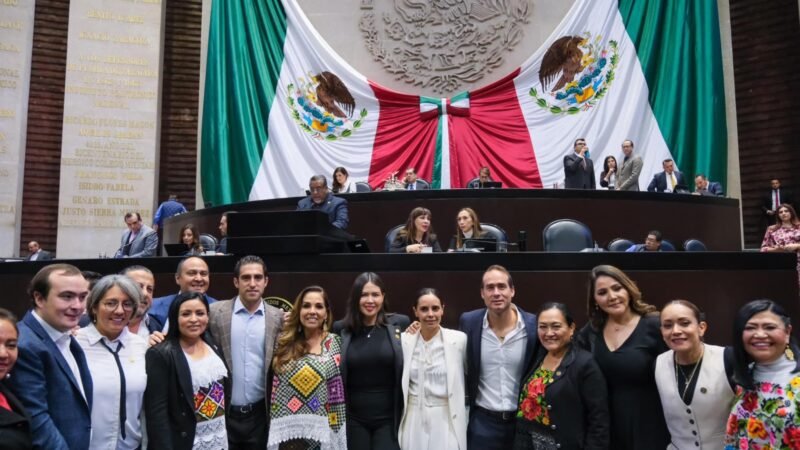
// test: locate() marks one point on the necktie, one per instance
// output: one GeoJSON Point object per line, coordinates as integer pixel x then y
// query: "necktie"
{"type": "Point", "coordinates": [122, 410]}
{"type": "Point", "coordinates": [777, 201]}
{"type": "Point", "coordinates": [4, 402]}
{"type": "Point", "coordinates": [583, 163]}
{"type": "Point", "coordinates": [672, 178]}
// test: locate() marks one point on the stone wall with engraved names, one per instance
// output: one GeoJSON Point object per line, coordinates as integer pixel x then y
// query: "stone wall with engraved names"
{"type": "Point", "coordinates": [111, 126]}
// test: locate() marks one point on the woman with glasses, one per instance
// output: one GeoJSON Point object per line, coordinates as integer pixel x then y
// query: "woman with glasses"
{"type": "Point", "coordinates": [116, 361]}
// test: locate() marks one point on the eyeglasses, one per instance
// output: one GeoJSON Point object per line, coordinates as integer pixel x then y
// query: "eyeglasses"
{"type": "Point", "coordinates": [112, 305]}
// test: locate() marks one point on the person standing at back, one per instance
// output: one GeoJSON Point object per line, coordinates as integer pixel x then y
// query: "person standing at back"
{"type": "Point", "coordinates": [578, 167]}
{"type": "Point", "coordinates": [630, 169]}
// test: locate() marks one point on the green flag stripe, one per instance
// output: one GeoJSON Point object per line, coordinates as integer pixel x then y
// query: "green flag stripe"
{"type": "Point", "coordinates": [678, 45]}
{"type": "Point", "coordinates": [245, 56]}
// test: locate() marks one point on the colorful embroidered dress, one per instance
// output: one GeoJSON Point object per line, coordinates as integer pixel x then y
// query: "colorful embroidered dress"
{"type": "Point", "coordinates": [308, 400]}
{"type": "Point", "coordinates": [767, 416]}
{"type": "Point", "coordinates": [783, 236]}
{"type": "Point", "coordinates": [532, 404]}
{"type": "Point", "coordinates": [208, 375]}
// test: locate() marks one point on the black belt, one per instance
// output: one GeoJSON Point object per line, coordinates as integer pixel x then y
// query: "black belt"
{"type": "Point", "coordinates": [246, 410]}
{"type": "Point", "coordinates": [505, 416]}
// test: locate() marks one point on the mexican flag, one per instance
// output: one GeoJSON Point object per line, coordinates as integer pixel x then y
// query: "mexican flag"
{"type": "Point", "coordinates": [280, 105]}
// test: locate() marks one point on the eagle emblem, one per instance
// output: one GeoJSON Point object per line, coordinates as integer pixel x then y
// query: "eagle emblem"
{"type": "Point", "coordinates": [323, 106]}
{"type": "Point", "coordinates": [575, 73]}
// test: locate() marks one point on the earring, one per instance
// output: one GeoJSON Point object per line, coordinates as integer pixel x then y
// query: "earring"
{"type": "Point", "coordinates": [299, 329]}
{"type": "Point", "coordinates": [789, 353]}
{"type": "Point", "coordinates": [596, 306]}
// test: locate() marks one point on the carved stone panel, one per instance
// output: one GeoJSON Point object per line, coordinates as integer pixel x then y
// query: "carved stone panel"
{"type": "Point", "coordinates": [442, 45]}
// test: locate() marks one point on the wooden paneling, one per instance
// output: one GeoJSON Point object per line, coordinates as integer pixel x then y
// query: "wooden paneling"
{"type": "Point", "coordinates": [766, 60]}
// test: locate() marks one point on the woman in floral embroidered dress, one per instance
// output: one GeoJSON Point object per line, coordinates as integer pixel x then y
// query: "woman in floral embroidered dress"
{"type": "Point", "coordinates": [784, 236]}
{"type": "Point", "coordinates": [765, 414]}
{"type": "Point", "coordinates": [308, 408]}
{"type": "Point", "coordinates": [564, 401]}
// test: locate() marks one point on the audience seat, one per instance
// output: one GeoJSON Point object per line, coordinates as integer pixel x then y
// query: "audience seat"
{"type": "Point", "coordinates": [363, 186]}
{"type": "Point", "coordinates": [424, 182]}
{"type": "Point", "coordinates": [208, 241]}
{"type": "Point", "coordinates": [619, 245]}
{"type": "Point", "coordinates": [495, 232]}
{"type": "Point", "coordinates": [387, 244]}
{"type": "Point", "coordinates": [694, 245]}
{"type": "Point", "coordinates": [566, 235]}
{"type": "Point", "coordinates": [667, 246]}
{"type": "Point", "coordinates": [473, 183]}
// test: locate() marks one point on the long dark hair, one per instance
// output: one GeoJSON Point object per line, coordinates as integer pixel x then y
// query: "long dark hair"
{"type": "Point", "coordinates": [174, 332]}
{"type": "Point", "coordinates": [597, 316]}
{"type": "Point", "coordinates": [195, 245]}
{"type": "Point", "coordinates": [409, 231]}
{"type": "Point", "coordinates": [742, 372]}
{"type": "Point", "coordinates": [605, 163]}
{"type": "Point", "coordinates": [353, 320]}
{"type": "Point", "coordinates": [336, 186]}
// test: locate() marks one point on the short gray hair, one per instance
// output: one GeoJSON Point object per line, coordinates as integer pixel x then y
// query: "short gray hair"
{"type": "Point", "coordinates": [318, 178]}
{"type": "Point", "coordinates": [101, 288]}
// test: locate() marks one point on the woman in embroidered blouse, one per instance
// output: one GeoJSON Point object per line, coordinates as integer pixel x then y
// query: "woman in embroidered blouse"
{"type": "Point", "coordinates": [191, 238]}
{"type": "Point", "coordinates": [433, 381]}
{"type": "Point", "coordinates": [116, 361]}
{"type": "Point", "coordinates": [417, 234]}
{"type": "Point", "coordinates": [467, 226]}
{"type": "Point", "coordinates": [608, 177]}
{"type": "Point", "coordinates": [308, 408]}
{"type": "Point", "coordinates": [341, 182]}
{"type": "Point", "coordinates": [784, 236]}
{"type": "Point", "coordinates": [564, 401]}
{"type": "Point", "coordinates": [765, 412]}
{"type": "Point", "coordinates": [624, 335]}
{"type": "Point", "coordinates": [695, 379]}
{"type": "Point", "coordinates": [186, 375]}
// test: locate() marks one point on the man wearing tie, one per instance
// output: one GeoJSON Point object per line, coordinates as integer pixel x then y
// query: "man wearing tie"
{"type": "Point", "coordinates": [668, 180]}
{"type": "Point", "coordinates": [412, 183]}
{"type": "Point", "coordinates": [51, 376]}
{"type": "Point", "coordinates": [630, 169]}
{"type": "Point", "coordinates": [578, 167]}
{"type": "Point", "coordinates": [774, 198]}
{"type": "Point", "coordinates": [139, 241]}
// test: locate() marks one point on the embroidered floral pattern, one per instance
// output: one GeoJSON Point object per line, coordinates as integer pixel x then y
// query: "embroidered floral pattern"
{"type": "Point", "coordinates": [765, 418]}
{"type": "Point", "coordinates": [532, 404]}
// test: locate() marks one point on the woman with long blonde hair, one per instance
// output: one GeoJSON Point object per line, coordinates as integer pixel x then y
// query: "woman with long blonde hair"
{"type": "Point", "coordinates": [308, 408]}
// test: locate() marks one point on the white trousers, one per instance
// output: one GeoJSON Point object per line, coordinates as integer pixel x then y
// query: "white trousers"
{"type": "Point", "coordinates": [428, 427]}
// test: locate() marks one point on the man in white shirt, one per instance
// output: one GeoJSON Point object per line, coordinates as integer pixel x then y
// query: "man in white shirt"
{"type": "Point", "coordinates": [51, 376]}
{"type": "Point", "coordinates": [501, 343]}
{"type": "Point", "coordinates": [246, 328]}
{"type": "Point", "coordinates": [35, 252]}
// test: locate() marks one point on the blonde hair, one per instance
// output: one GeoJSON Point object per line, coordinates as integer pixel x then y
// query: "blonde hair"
{"type": "Point", "coordinates": [292, 344]}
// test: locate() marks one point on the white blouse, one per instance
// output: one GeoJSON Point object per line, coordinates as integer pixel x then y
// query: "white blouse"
{"type": "Point", "coordinates": [209, 434]}
{"type": "Point", "coordinates": [427, 377]}
{"type": "Point", "coordinates": [106, 385]}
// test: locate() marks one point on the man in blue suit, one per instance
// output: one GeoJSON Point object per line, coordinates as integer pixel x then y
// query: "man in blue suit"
{"type": "Point", "coordinates": [705, 187]}
{"type": "Point", "coordinates": [51, 376]}
{"type": "Point", "coordinates": [321, 199]}
{"type": "Point", "coordinates": [192, 275]}
{"type": "Point", "coordinates": [501, 343]}
{"type": "Point", "coordinates": [669, 180]}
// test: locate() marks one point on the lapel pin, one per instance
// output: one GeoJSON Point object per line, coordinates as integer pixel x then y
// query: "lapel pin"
{"type": "Point", "coordinates": [703, 390]}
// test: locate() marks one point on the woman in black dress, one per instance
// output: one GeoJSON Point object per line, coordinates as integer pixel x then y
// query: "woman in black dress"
{"type": "Point", "coordinates": [624, 336]}
{"type": "Point", "coordinates": [417, 235]}
{"type": "Point", "coordinates": [15, 423]}
{"type": "Point", "coordinates": [371, 366]}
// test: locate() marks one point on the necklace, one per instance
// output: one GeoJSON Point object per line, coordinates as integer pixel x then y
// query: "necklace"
{"type": "Point", "coordinates": [688, 380]}
{"type": "Point", "coordinates": [371, 329]}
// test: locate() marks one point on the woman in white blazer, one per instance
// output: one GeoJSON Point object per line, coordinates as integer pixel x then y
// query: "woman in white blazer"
{"type": "Point", "coordinates": [434, 362]}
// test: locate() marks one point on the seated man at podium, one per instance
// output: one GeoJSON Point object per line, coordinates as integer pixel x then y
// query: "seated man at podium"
{"type": "Point", "coordinates": [320, 198]}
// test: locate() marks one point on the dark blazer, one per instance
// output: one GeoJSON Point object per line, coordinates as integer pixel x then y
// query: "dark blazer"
{"type": "Point", "coordinates": [395, 325]}
{"type": "Point", "coordinates": [44, 383]}
{"type": "Point", "coordinates": [418, 186]}
{"type": "Point", "coordinates": [471, 323]}
{"type": "Point", "coordinates": [714, 188]}
{"type": "Point", "coordinates": [578, 401]}
{"type": "Point", "coordinates": [784, 195]}
{"type": "Point", "coordinates": [335, 207]}
{"type": "Point", "coordinates": [44, 255]}
{"type": "Point", "coordinates": [575, 177]}
{"type": "Point", "coordinates": [169, 397]}
{"type": "Point", "coordinates": [400, 243]}
{"type": "Point", "coordinates": [160, 307]}
{"type": "Point", "coordinates": [15, 425]}
{"type": "Point", "coordinates": [454, 239]}
{"type": "Point", "coordinates": [659, 182]}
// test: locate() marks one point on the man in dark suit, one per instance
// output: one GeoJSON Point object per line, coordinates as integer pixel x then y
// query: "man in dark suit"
{"type": "Point", "coordinates": [246, 328]}
{"type": "Point", "coordinates": [501, 343]}
{"type": "Point", "coordinates": [668, 180]}
{"type": "Point", "coordinates": [776, 196]}
{"type": "Point", "coordinates": [222, 247]}
{"type": "Point", "coordinates": [578, 167]}
{"type": "Point", "coordinates": [705, 187]}
{"type": "Point", "coordinates": [36, 253]}
{"type": "Point", "coordinates": [411, 182]}
{"type": "Point", "coordinates": [51, 376]}
{"type": "Point", "coordinates": [192, 275]}
{"type": "Point", "coordinates": [321, 199]}
{"type": "Point", "coordinates": [139, 241]}
{"type": "Point", "coordinates": [143, 323]}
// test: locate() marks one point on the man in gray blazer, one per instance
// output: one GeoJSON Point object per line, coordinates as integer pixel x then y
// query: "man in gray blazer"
{"type": "Point", "coordinates": [35, 253]}
{"type": "Point", "coordinates": [139, 241]}
{"type": "Point", "coordinates": [246, 328]}
{"type": "Point", "coordinates": [630, 169]}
